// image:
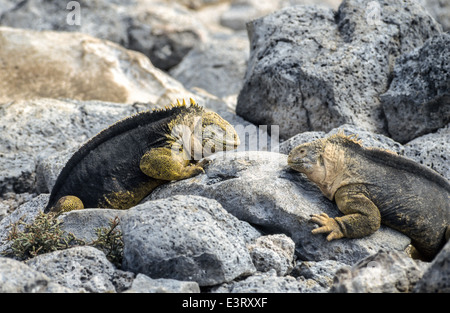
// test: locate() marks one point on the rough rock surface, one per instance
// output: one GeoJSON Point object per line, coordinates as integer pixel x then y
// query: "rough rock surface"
{"type": "Point", "coordinates": [144, 284]}
{"type": "Point", "coordinates": [440, 10]}
{"type": "Point", "coordinates": [217, 67]}
{"type": "Point", "coordinates": [273, 252]}
{"type": "Point", "coordinates": [270, 283]}
{"type": "Point", "coordinates": [311, 69]}
{"type": "Point", "coordinates": [163, 30]}
{"type": "Point", "coordinates": [82, 269]}
{"type": "Point", "coordinates": [83, 223]}
{"type": "Point", "coordinates": [432, 150]}
{"type": "Point", "coordinates": [68, 65]}
{"type": "Point", "coordinates": [17, 277]}
{"type": "Point", "coordinates": [185, 238]}
{"type": "Point", "coordinates": [258, 187]}
{"type": "Point", "coordinates": [385, 271]}
{"type": "Point", "coordinates": [437, 276]}
{"type": "Point", "coordinates": [242, 11]}
{"type": "Point", "coordinates": [321, 272]}
{"type": "Point", "coordinates": [418, 99]}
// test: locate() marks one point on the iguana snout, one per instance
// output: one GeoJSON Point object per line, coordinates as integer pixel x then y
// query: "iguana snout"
{"type": "Point", "coordinates": [217, 134]}
{"type": "Point", "coordinates": [306, 158]}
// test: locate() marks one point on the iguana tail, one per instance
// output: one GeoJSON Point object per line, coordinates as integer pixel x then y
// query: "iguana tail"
{"type": "Point", "coordinates": [447, 233]}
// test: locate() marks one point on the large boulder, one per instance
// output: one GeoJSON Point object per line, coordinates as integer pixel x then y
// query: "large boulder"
{"type": "Point", "coordinates": [78, 66]}
{"type": "Point", "coordinates": [313, 69]}
{"type": "Point", "coordinates": [258, 187]}
{"type": "Point", "coordinates": [418, 99]}
{"type": "Point", "coordinates": [164, 31]}
{"type": "Point", "coordinates": [186, 238]}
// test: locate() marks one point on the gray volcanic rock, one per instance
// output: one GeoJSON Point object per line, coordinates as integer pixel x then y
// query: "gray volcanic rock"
{"type": "Point", "coordinates": [418, 99]}
{"type": "Point", "coordinates": [185, 238]}
{"type": "Point", "coordinates": [313, 69]}
{"type": "Point", "coordinates": [385, 271]}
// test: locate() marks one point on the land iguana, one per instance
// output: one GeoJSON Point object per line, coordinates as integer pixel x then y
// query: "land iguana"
{"type": "Point", "coordinates": [121, 165]}
{"type": "Point", "coordinates": [373, 186]}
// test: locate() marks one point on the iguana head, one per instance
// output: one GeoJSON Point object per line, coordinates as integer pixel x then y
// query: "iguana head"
{"type": "Point", "coordinates": [217, 134]}
{"type": "Point", "coordinates": [199, 133]}
{"type": "Point", "coordinates": [322, 161]}
{"type": "Point", "coordinates": [307, 158]}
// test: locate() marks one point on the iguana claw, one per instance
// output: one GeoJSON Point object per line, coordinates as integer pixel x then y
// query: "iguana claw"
{"type": "Point", "coordinates": [328, 225]}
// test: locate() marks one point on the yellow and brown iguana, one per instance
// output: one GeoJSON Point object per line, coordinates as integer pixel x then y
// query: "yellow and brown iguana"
{"type": "Point", "coordinates": [122, 164]}
{"type": "Point", "coordinates": [373, 186]}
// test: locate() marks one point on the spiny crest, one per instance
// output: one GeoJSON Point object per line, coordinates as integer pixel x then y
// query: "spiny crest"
{"type": "Point", "coordinates": [178, 104]}
{"type": "Point", "coordinates": [341, 137]}
{"type": "Point", "coordinates": [352, 139]}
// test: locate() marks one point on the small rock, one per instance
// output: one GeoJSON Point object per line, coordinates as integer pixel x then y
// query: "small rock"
{"type": "Point", "coordinates": [287, 145]}
{"type": "Point", "coordinates": [321, 272]}
{"type": "Point", "coordinates": [84, 269]}
{"type": "Point", "coordinates": [269, 282]}
{"type": "Point", "coordinates": [385, 271]}
{"type": "Point", "coordinates": [437, 277]}
{"type": "Point", "coordinates": [273, 252]}
{"type": "Point", "coordinates": [144, 284]}
{"type": "Point", "coordinates": [187, 238]}
{"type": "Point", "coordinates": [17, 277]}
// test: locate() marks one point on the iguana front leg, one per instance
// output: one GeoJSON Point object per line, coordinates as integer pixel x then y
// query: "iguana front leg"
{"type": "Point", "coordinates": [166, 164]}
{"type": "Point", "coordinates": [361, 218]}
{"type": "Point", "coordinates": [328, 225]}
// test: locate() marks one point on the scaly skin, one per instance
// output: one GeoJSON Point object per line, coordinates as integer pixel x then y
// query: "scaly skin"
{"type": "Point", "coordinates": [122, 164]}
{"type": "Point", "coordinates": [373, 186]}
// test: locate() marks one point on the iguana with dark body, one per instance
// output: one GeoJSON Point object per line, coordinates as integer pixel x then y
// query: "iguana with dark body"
{"type": "Point", "coordinates": [122, 164]}
{"type": "Point", "coordinates": [373, 186]}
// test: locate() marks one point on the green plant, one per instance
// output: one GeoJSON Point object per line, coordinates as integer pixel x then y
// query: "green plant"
{"type": "Point", "coordinates": [110, 241]}
{"type": "Point", "coordinates": [43, 235]}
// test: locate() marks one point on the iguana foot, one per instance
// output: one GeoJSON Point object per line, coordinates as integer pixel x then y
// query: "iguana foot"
{"type": "Point", "coordinates": [204, 163]}
{"type": "Point", "coordinates": [66, 204]}
{"type": "Point", "coordinates": [328, 225]}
